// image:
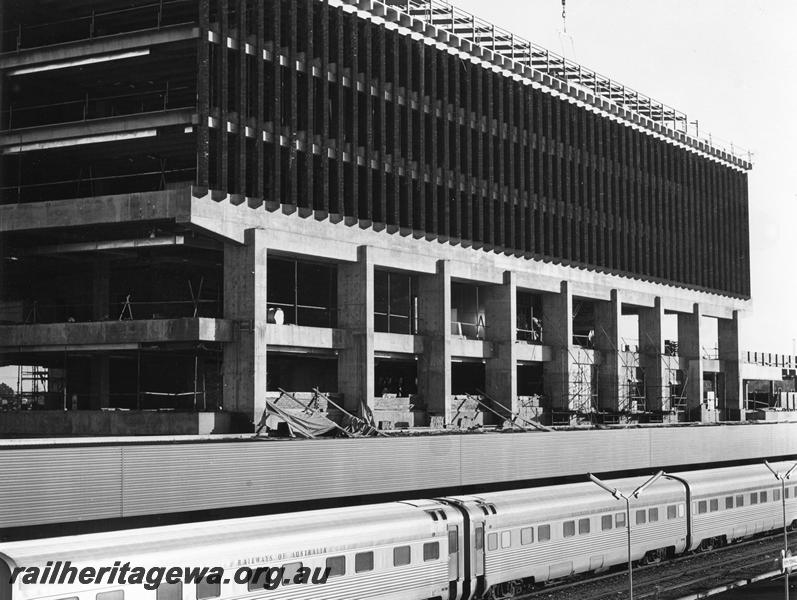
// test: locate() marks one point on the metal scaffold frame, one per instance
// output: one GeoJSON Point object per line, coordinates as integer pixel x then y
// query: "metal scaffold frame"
{"type": "Point", "coordinates": [486, 35]}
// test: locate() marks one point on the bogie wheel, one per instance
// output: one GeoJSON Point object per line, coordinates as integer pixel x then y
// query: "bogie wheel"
{"type": "Point", "coordinates": [503, 591]}
{"type": "Point", "coordinates": [654, 557]}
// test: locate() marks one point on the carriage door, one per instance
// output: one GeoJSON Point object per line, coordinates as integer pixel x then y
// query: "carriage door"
{"type": "Point", "coordinates": [453, 552]}
{"type": "Point", "coordinates": [478, 549]}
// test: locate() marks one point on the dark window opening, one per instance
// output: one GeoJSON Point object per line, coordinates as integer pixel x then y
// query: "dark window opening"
{"type": "Point", "coordinates": [395, 378]}
{"type": "Point", "coordinates": [530, 380]}
{"type": "Point", "coordinates": [301, 373]}
{"type": "Point", "coordinates": [467, 311]}
{"type": "Point", "coordinates": [583, 323]}
{"type": "Point", "coordinates": [395, 302]}
{"type": "Point", "coordinates": [529, 318]}
{"type": "Point", "coordinates": [467, 377]}
{"type": "Point", "coordinates": [301, 293]}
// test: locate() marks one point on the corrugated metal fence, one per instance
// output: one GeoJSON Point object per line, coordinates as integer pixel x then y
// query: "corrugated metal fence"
{"type": "Point", "coordinates": [68, 483]}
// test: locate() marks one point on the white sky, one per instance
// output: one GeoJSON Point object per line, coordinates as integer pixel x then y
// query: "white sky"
{"type": "Point", "coordinates": [728, 63]}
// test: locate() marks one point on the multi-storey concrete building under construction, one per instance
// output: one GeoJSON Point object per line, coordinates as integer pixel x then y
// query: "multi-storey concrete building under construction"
{"type": "Point", "coordinates": [207, 202]}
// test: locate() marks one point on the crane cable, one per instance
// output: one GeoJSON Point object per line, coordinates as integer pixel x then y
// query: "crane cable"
{"type": "Point", "coordinates": [564, 16]}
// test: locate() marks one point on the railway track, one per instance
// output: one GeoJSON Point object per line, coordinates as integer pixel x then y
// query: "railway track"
{"type": "Point", "coordinates": [681, 577]}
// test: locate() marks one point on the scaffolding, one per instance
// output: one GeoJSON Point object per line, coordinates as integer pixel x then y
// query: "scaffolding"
{"type": "Point", "coordinates": [582, 390]}
{"type": "Point", "coordinates": [35, 389]}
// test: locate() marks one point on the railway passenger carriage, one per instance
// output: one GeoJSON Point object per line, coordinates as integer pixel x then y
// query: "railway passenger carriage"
{"type": "Point", "coordinates": [455, 548]}
{"type": "Point", "coordinates": [535, 535]}
{"type": "Point", "coordinates": [393, 551]}
{"type": "Point", "coordinates": [735, 502]}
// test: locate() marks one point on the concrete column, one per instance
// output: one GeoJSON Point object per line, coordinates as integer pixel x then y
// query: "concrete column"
{"type": "Point", "coordinates": [728, 335]}
{"type": "Point", "coordinates": [500, 307]}
{"type": "Point", "coordinates": [689, 348]}
{"type": "Point", "coordinates": [434, 366]}
{"type": "Point", "coordinates": [607, 350]}
{"type": "Point", "coordinates": [100, 293]}
{"type": "Point", "coordinates": [100, 386]}
{"type": "Point", "coordinates": [356, 317]}
{"type": "Point", "coordinates": [244, 363]}
{"type": "Point", "coordinates": [651, 353]}
{"type": "Point", "coordinates": [557, 332]}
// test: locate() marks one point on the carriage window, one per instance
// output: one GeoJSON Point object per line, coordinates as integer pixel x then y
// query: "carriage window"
{"type": "Point", "coordinates": [401, 556]}
{"type": "Point", "coordinates": [492, 541]}
{"type": "Point", "coordinates": [257, 580]}
{"type": "Point", "coordinates": [336, 566]}
{"type": "Point", "coordinates": [763, 497]}
{"type": "Point", "coordinates": [653, 515]}
{"type": "Point", "coordinates": [702, 507]}
{"type": "Point", "coordinates": [583, 526]}
{"type": "Point", "coordinates": [169, 591]}
{"type": "Point", "coordinates": [754, 498]}
{"type": "Point", "coordinates": [640, 517]}
{"type": "Point", "coordinates": [619, 520]}
{"type": "Point", "coordinates": [775, 495]}
{"type": "Point", "coordinates": [431, 551]}
{"type": "Point", "coordinates": [114, 595]}
{"type": "Point", "coordinates": [506, 539]}
{"type": "Point", "coordinates": [739, 501]}
{"type": "Point", "coordinates": [569, 528]}
{"type": "Point", "coordinates": [526, 536]}
{"type": "Point", "coordinates": [672, 511]}
{"type": "Point", "coordinates": [606, 522]}
{"type": "Point", "coordinates": [291, 569]}
{"type": "Point", "coordinates": [729, 502]}
{"type": "Point", "coordinates": [787, 492]}
{"type": "Point", "coordinates": [479, 537]}
{"type": "Point", "coordinates": [207, 590]}
{"type": "Point", "coordinates": [364, 561]}
{"type": "Point", "coordinates": [714, 505]}
{"type": "Point", "coordinates": [543, 533]}
{"type": "Point", "coordinates": [453, 541]}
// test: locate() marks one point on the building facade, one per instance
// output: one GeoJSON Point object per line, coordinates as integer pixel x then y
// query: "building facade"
{"type": "Point", "coordinates": [207, 203]}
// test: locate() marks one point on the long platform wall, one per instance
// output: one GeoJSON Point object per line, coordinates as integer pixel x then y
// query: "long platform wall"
{"type": "Point", "coordinates": [55, 483]}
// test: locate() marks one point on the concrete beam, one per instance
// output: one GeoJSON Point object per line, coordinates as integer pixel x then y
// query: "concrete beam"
{"type": "Point", "coordinates": [244, 365]}
{"type": "Point", "coordinates": [57, 335]}
{"type": "Point", "coordinates": [81, 50]}
{"type": "Point", "coordinates": [295, 234]}
{"type": "Point", "coordinates": [166, 205]}
{"type": "Point", "coordinates": [105, 245]}
{"type": "Point", "coordinates": [36, 137]}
